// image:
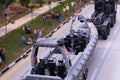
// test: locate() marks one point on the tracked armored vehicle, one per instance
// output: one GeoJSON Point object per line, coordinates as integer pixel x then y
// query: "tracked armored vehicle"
{"type": "Point", "coordinates": [104, 16]}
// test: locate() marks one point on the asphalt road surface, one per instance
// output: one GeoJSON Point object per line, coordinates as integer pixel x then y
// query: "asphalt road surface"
{"type": "Point", "coordinates": [105, 62]}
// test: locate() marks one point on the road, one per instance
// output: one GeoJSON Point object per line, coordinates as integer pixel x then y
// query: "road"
{"type": "Point", "coordinates": [104, 64]}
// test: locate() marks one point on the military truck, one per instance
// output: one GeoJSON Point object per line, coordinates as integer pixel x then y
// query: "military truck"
{"type": "Point", "coordinates": [104, 16]}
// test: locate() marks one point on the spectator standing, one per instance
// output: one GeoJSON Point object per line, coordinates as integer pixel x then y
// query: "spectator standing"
{"type": "Point", "coordinates": [64, 9]}
{"type": "Point", "coordinates": [2, 54]}
{"type": "Point", "coordinates": [49, 17]}
{"type": "Point", "coordinates": [67, 8]}
{"type": "Point", "coordinates": [23, 39]}
{"type": "Point", "coordinates": [0, 60]}
{"type": "Point", "coordinates": [39, 33]}
{"type": "Point", "coordinates": [72, 4]}
{"type": "Point", "coordinates": [80, 2]}
{"type": "Point", "coordinates": [35, 32]}
{"type": "Point", "coordinates": [44, 18]}
{"type": "Point", "coordinates": [58, 16]}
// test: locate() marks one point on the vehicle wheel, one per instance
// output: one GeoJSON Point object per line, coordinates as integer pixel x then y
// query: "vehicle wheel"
{"type": "Point", "coordinates": [108, 32]}
{"type": "Point", "coordinates": [85, 74]}
{"type": "Point", "coordinates": [114, 19]}
{"type": "Point", "coordinates": [104, 36]}
{"type": "Point", "coordinates": [112, 23]}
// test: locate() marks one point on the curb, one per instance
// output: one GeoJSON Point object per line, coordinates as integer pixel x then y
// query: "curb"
{"type": "Point", "coordinates": [16, 61]}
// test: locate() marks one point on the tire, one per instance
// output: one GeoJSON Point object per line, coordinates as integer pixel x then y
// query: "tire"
{"type": "Point", "coordinates": [115, 19]}
{"type": "Point", "coordinates": [104, 36]}
{"type": "Point", "coordinates": [112, 23]}
{"type": "Point", "coordinates": [108, 30]}
{"type": "Point", "coordinates": [85, 74]}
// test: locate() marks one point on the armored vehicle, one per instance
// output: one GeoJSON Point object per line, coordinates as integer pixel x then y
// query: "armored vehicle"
{"type": "Point", "coordinates": [104, 16]}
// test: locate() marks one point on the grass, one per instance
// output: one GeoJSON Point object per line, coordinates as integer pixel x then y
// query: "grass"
{"type": "Point", "coordinates": [12, 41]}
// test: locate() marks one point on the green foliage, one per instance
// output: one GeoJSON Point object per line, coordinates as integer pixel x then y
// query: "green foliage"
{"type": "Point", "coordinates": [6, 3]}
{"type": "Point", "coordinates": [25, 3]}
{"type": "Point", "coordinates": [62, 3]}
{"type": "Point", "coordinates": [41, 2]}
{"type": "Point", "coordinates": [49, 2]}
{"type": "Point", "coordinates": [31, 4]}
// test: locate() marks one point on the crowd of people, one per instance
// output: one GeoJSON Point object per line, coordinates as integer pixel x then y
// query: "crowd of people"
{"type": "Point", "coordinates": [47, 17]}
{"type": "Point", "coordinates": [37, 34]}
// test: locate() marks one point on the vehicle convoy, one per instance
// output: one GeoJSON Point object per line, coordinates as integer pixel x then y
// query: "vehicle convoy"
{"type": "Point", "coordinates": [53, 58]}
{"type": "Point", "coordinates": [104, 16]}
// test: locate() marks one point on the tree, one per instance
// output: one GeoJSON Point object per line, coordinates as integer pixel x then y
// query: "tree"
{"type": "Point", "coordinates": [4, 9]}
{"type": "Point", "coordinates": [49, 3]}
{"type": "Point", "coordinates": [5, 5]}
{"type": "Point", "coordinates": [25, 3]}
{"type": "Point", "coordinates": [41, 2]}
{"type": "Point", "coordinates": [30, 4]}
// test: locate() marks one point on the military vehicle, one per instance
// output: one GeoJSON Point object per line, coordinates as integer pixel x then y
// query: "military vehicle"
{"type": "Point", "coordinates": [104, 16]}
{"type": "Point", "coordinates": [79, 35]}
{"type": "Point", "coordinates": [54, 58]}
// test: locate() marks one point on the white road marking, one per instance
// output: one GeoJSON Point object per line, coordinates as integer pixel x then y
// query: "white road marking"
{"type": "Point", "coordinates": [93, 74]}
{"type": "Point", "coordinates": [105, 52]}
{"type": "Point", "coordinates": [109, 44]}
{"type": "Point", "coordinates": [116, 30]}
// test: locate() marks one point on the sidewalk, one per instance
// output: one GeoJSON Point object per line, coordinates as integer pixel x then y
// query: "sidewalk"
{"type": "Point", "coordinates": [25, 19]}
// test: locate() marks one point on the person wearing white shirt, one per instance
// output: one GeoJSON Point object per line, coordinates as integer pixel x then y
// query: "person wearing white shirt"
{"type": "Point", "coordinates": [67, 8]}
